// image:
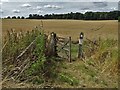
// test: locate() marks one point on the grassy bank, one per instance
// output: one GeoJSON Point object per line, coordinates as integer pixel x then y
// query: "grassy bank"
{"type": "Point", "coordinates": [33, 69]}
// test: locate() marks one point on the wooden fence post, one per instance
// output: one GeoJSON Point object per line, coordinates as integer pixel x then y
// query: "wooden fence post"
{"type": "Point", "coordinates": [53, 45]}
{"type": "Point", "coordinates": [80, 52]}
{"type": "Point", "coordinates": [70, 49]}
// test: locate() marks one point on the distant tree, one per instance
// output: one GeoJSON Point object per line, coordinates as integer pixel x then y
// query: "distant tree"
{"type": "Point", "coordinates": [8, 17]}
{"type": "Point", "coordinates": [18, 17]}
{"type": "Point", "coordinates": [89, 16]}
{"type": "Point", "coordinates": [113, 15]}
{"type": "Point", "coordinates": [30, 16]}
{"type": "Point", "coordinates": [14, 17]}
{"type": "Point", "coordinates": [22, 17]}
{"type": "Point", "coordinates": [119, 19]}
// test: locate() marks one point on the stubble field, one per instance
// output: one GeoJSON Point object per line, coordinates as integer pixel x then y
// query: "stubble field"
{"type": "Point", "coordinates": [91, 29]}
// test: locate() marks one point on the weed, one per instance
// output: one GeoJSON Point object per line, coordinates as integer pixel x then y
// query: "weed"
{"type": "Point", "coordinates": [68, 79]}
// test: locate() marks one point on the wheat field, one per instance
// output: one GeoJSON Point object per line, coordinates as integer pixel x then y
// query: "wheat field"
{"type": "Point", "coordinates": [91, 29]}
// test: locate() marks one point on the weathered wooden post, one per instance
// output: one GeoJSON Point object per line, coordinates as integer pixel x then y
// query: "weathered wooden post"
{"type": "Point", "coordinates": [80, 52]}
{"type": "Point", "coordinates": [70, 49]}
{"type": "Point", "coordinates": [53, 45]}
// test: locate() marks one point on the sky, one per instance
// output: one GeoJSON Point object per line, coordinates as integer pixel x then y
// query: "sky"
{"type": "Point", "coordinates": [59, 0]}
{"type": "Point", "coordinates": [42, 7]}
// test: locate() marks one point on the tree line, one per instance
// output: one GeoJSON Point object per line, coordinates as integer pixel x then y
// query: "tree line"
{"type": "Point", "coordinates": [112, 15]}
{"type": "Point", "coordinates": [15, 17]}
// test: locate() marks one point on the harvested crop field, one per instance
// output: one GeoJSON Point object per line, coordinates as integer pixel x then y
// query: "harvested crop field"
{"type": "Point", "coordinates": [91, 29]}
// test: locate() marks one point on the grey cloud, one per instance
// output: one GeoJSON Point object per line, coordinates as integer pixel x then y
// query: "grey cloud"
{"type": "Point", "coordinates": [60, 0]}
{"type": "Point", "coordinates": [40, 11]}
{"type": "Point", "coordinates": [1, 11]}
{"type": "Point", "coordinates": [16, 11]}
{"type": "Point", "coordinates": [38, 8]}
{"type": "Point", "coordinates": [26, 5]}
{"type": "Point", "coordinates": [119, 4]}
{"type": "Point", "coordinates": [53, 6]}
{"type": "Point", "coordinates": [100, 4]}
{"type": "Point", "coordinates": [0, 3]}
{"type": "Point", "coordinates": [85, 8]}
{"type": "Point", "coordinates": [43, 8]}
{"type": "Point", "coordinates": [113, 8]}
{"type": "Point", "coordinates": [4, 0]}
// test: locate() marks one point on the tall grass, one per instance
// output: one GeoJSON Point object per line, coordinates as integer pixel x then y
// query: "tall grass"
{"type": "Point", "coordinates": [34, 66]}
{"type": "Point", "coordinates": [42, 69]}
{"type": "Point", "coordinates": [105, 55]}
{"type": "Point", "coordinates": [100, 52]}
{"type": "Point", "coordinates": [15, 43]}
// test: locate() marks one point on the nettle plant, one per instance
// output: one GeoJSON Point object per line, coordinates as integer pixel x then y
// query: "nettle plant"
{"type": "Point", "coordinates": [39, 53]}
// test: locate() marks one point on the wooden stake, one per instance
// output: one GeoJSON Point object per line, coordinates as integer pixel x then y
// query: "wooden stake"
{"type": "Point", "coordinates": [70, 49]}
{"type": "Point", "coordinates": [80, 52]}
{"type": "Point", "coordinates": [53, 45]}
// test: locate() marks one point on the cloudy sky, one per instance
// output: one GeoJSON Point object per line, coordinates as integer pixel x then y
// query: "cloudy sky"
{"type": "Point", "coordinates": [20, 8]}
